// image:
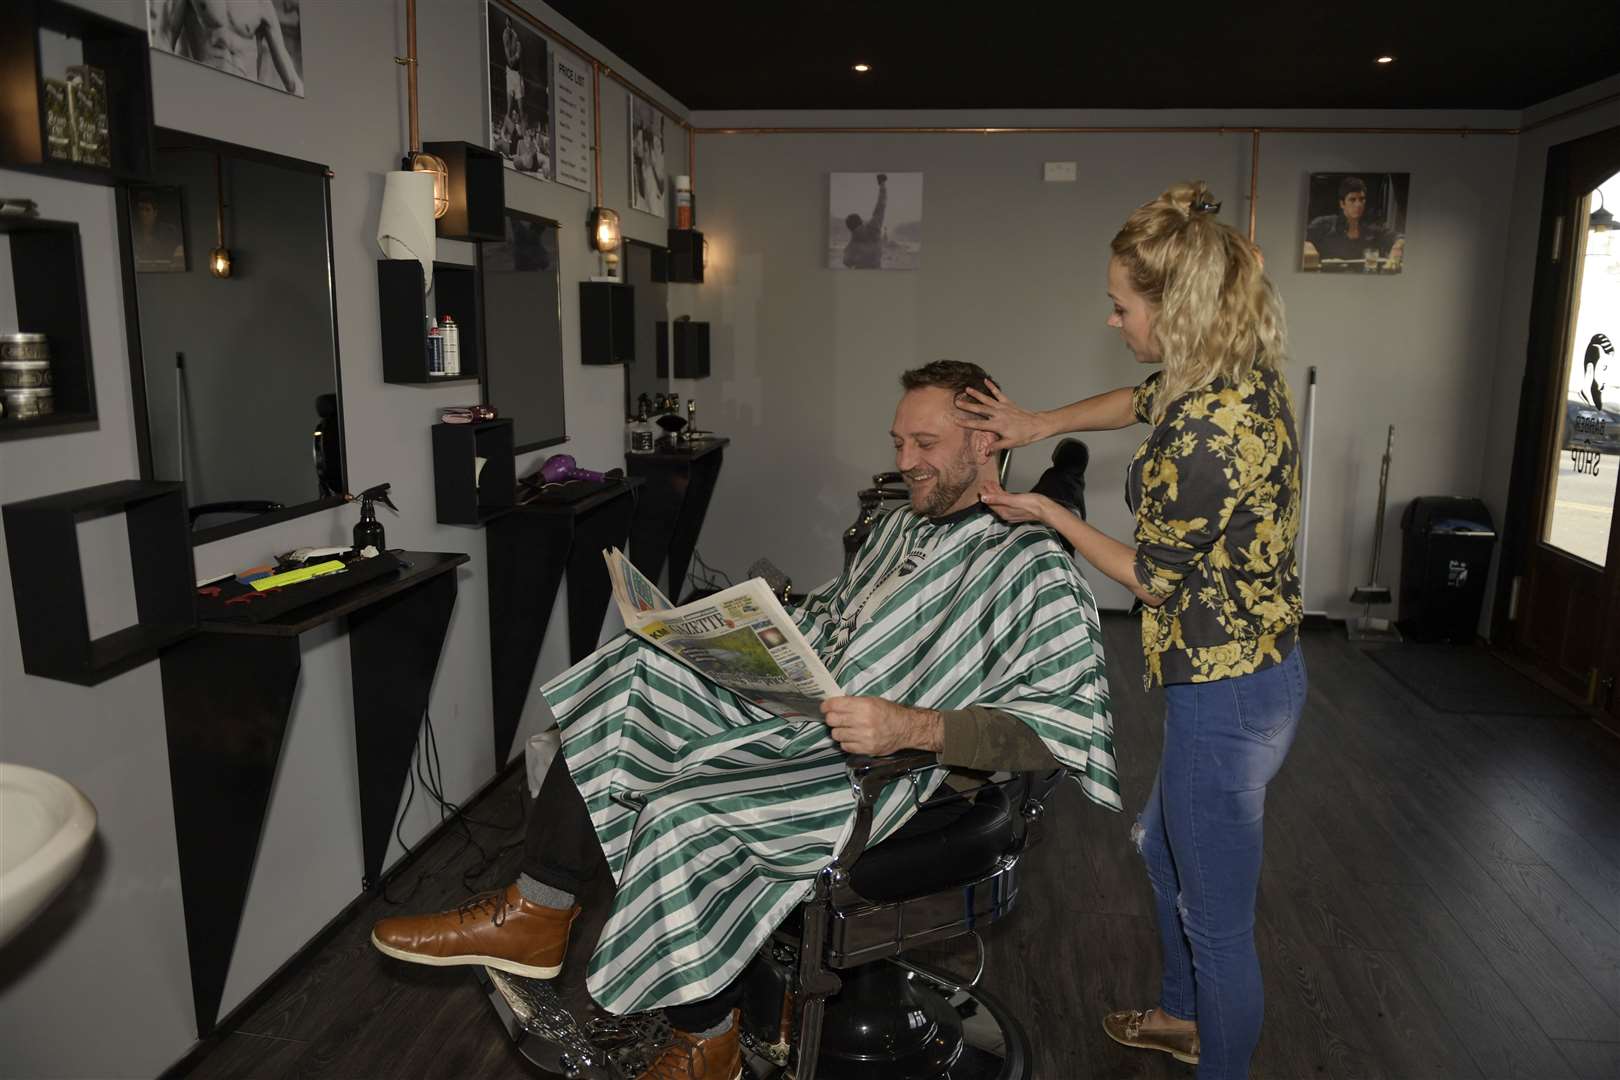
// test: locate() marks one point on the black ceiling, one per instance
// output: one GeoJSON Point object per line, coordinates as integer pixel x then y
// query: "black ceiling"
{"type": "Point", "coordinates": [762, 54]}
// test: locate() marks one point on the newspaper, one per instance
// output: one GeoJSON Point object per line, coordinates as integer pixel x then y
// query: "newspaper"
{"type": "Point", "coordinates": [741, 639]}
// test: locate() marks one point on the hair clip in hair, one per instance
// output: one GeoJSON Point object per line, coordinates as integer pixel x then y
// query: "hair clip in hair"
{"type": "Point", "coordinates": [1206, 206]}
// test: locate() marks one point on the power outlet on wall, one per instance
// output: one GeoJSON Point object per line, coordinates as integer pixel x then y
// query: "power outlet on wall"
{"type": "Point", "coordinates": [1061, 172]}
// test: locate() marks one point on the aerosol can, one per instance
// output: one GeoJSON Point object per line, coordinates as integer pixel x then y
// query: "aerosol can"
{"type": "Point", "coordinates": [368, 531]}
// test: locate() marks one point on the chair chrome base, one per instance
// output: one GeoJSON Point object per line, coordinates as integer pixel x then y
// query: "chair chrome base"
{"type": "Point", "coordinates": [968, 1034]}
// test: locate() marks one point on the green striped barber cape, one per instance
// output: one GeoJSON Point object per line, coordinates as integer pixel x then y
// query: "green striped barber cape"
{"type": "Point", "coordinates": [738, 810]}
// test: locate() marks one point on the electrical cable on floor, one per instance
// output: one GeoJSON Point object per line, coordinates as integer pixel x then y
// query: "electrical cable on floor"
{"type": "Point", "coordinates": [427, 767]}
{"type": "Point", "coordinates": [709, 581]}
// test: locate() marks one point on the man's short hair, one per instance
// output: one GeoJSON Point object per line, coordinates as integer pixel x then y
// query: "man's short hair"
{"type": "Point", "coordinates": [1351, 184]}
{"type": "Point", "coordinates": [953, 375]}
{"type": "Point", "coordinates": [852, 222]}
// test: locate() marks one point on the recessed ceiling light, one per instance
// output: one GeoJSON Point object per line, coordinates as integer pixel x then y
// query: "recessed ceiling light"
{"type": "Point", "coordinates": [1386, 59]}
{"type": "Point", "coordinates": [863, 68]}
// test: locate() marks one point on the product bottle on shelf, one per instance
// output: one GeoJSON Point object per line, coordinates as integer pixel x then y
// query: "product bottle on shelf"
{"type": "Point", "coordinates": [642, 434]}
{"type": "Point", "coordinates": [435, 339]}
{"type": "Point", "coordinates": [683, 202]}
{"type": "Point", "coordinates": [452, 346]}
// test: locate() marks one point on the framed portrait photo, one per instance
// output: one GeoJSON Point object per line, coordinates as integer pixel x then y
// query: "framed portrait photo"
{"type": "Point", "coordinates": [157, 229]}
{"type": "Point", "coordinates": [1355, 223]}
{"type": "Point", "coordinates": [519, 101]}
{"type": "Point", "coordinates": [874, 221]}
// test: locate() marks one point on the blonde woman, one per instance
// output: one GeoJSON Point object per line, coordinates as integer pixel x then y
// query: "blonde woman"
{"type": "Point", "coordinates": [1215, 491]}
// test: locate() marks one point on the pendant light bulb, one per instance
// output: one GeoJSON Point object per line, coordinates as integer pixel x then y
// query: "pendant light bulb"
{"type": "Point", "coordinates": [219, 262]}
{"type": "Point", "coordinates": [605, 234]}
{"type": "Point", "coordinates": [424, 162]}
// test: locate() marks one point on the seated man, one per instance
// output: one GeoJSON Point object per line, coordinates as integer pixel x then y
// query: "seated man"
{"type": "Point", "coordinates": [951, 631]}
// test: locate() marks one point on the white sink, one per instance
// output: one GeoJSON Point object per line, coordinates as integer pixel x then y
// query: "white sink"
{"type": "Point", "coordinates": [45, 828]}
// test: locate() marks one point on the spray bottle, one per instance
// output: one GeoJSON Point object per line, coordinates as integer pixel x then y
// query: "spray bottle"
{"type": "Point", "coordinates": [368, 531]}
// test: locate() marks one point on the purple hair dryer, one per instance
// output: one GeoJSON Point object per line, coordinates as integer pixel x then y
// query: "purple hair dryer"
{"type": "Point", "coordinates": [561, 468]}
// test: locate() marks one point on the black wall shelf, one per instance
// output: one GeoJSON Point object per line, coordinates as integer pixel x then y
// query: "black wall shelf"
{"type": "Point", "coordinates": [463, 495]}
{"type": "Point", "coordinates": [228, 692]}
{"type": "Point", "coordinates": [607, 322]}
{"type": "Point", "coordinates": [403, 309]}
{"type": "Point", "coordinates": [118, 49]}
{"type": "Point", "coordinates": [530, 550]}
{"type": "Point", "coordinates": [686, 248]}
{"type": "Point", "coordinates": [53, 625]}
{"type": "Point", "coordinates": [47, 270]}
{"type": "Point", "coordinates": [691, 349]}
{"type": "Point", "coordinates": [477, 192]}
{"type": "Point", "coordinates": [680, 482]}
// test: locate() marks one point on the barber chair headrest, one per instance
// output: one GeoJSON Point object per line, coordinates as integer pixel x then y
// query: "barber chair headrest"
{"type": "Point", "coordinates": [1065, 480]}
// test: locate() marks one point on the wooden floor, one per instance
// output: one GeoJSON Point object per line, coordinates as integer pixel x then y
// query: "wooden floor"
{"type": "Point", "coordinates": [1441, 898]}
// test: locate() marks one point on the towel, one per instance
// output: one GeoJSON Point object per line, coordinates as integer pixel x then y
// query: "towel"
{"type": "Point", "coordinates": [405, 226]}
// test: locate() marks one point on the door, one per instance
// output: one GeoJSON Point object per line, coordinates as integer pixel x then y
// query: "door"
{"type": "Point", "coordinates": [1563, 555]}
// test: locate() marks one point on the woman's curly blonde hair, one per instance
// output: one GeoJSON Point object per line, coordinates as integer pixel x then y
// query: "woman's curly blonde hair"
{"type": "Point", "coordinates": [1215, 313]}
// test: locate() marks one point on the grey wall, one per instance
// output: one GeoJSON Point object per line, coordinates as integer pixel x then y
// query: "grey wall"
{"type": "Point", "coordinates": [1013, 277]}
{"type": "Point", "coordinates": [116, 952]}
{"type": "Point", "coordinates": [259, 344]}
{"type": "Point", "coordinates": [1522, 230]}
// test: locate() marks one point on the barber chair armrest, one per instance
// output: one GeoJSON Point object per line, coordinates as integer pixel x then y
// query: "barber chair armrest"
{"type": "Point", "coordinates": [868, 776]}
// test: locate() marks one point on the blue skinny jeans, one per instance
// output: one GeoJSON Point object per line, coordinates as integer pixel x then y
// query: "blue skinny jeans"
{"type": "Point", "coordinates": [1201, 836]}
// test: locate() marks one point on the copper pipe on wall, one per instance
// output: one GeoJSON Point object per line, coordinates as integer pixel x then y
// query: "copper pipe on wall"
{"type": "Point", "coordinates": [1117, 130]}
{"type": "Point", "coordinates": [596, 126]}
{"type": "Point", "coordinates": [409, 60]}
{"type": "Point", "coordinates": [1254, 185]}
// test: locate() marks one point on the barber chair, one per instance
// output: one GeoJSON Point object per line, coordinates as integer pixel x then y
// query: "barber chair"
{"type": "Point", "coordinates": [832, 994]}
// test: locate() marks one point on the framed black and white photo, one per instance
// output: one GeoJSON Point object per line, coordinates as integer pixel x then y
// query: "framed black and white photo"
{"type": "Point", "coordinates": [874, 221]}
{"type": "Point", "coordinates": [520, 75]}
{"type": "Point", "coordinates": [1356, 223]}
{"type": "Point", "coordinates": [649, 178]}
{"type": "Point", "coordinates": [259, 40]}
{"type": "Point", "coordinates": [157, 228]}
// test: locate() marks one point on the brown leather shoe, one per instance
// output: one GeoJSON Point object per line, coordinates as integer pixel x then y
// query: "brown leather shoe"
{"type": "Point", "coordinates": [496, 929]}
{"type": "Point", "coordinates": [692, 1058]}
{"type": "Point", "coordinates": [1150, 1031]}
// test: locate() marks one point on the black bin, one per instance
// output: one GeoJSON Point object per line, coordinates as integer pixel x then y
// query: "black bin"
{"type": "Point", "coordinates": [1445, 556]}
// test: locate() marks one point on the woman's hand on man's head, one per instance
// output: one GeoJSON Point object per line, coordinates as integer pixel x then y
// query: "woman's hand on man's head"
{"type": "Point", "coordinates": [997, 413]}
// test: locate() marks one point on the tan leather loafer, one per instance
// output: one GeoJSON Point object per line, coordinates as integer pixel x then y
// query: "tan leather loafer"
{"type": "Point", "coordinates": [1148, 1030]}
{"type": "Point", "coordinates": [692, 1058]}
{"type": "Point", "coordinates": [496, 929]}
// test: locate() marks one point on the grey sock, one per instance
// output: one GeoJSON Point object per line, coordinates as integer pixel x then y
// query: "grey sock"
{"type": "Point", "coordinates": [719, 1029]}
{"type": "Point", "coordinates": [538, 892]}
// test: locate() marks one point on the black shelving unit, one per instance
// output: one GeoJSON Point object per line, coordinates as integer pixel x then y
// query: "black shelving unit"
{"type": "Point", "coordinates": [228, 693]}
{"type": "Point", "coordinates": [530, 552]}
{"type": "Point", "coordinates": [477, 192]}
{"type": "Point", "coordinates": [691, 349]}
{"type": "Point", "coordinates": [607, 322]}
{"type": "Point", "coordinates": [47, 271]}
{"type": "Point", "coordinates": [403, 310]}
{"type": "Point", "coordinates": [118, 49]}
{"type": "Point", "coordinates": [680, 481]}
{"type": "Point", "coordinates": [462, 494]}
{"type": "Point", "coordinates": [53, 627]}
{"type": "Point", "coordinates": [686, 255]}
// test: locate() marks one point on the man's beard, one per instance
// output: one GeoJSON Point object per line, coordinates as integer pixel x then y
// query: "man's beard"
{"type": "Point", "coordinates": [948, 487]}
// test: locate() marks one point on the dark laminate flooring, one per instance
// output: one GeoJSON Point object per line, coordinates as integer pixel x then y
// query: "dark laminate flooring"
{"type": "Point", "coordinates": [1441, 898]}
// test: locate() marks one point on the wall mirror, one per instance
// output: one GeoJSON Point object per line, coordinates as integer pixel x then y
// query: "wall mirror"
{"type": "Point", "coordinates": [523, 356]}
{"type": "Point", "coordinates": [646, 271]}
{"type": "Point", "coordinates": [233, 332]}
